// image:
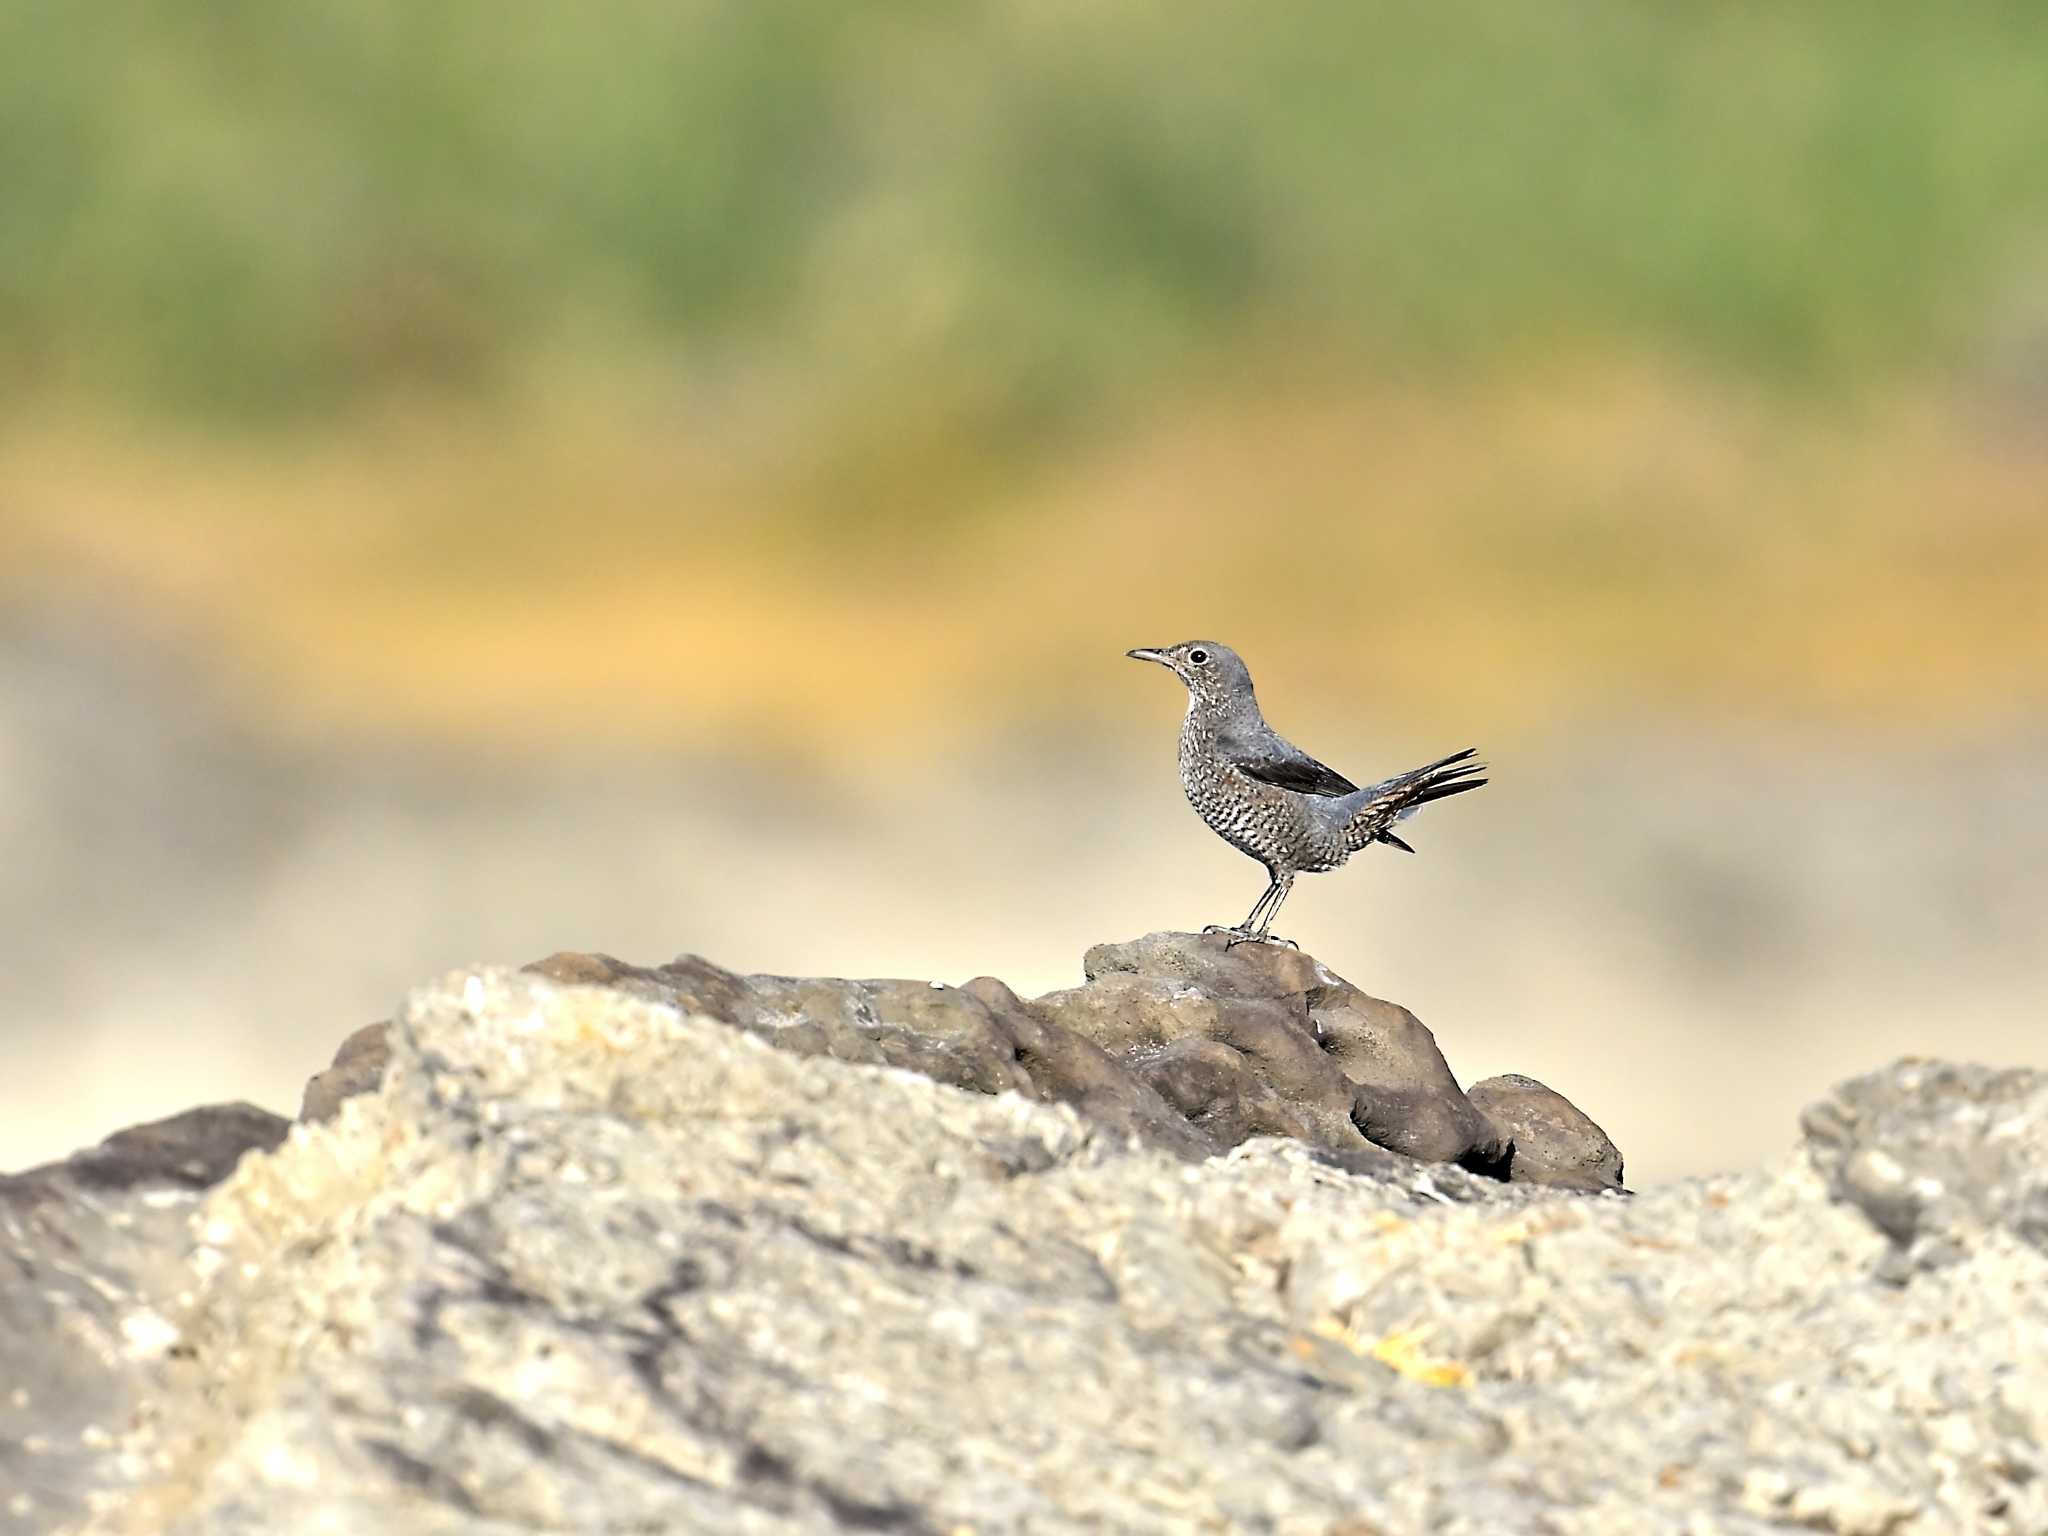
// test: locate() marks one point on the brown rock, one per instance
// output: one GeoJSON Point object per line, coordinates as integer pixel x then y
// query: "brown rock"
{"type": "Point", "coordinates": [1554, 1141]}
{"type": "Point", "coordinates": [943, 1032]}
{"type": "Point", "coordinates": [194, 1150]}
{"type": "Point", "coordinates": [688, 982]}
{"type": "Point", "coordinates": [980, 1036]}
{"type": "Point", "coordinates": [1070, 1068]}
{"type": "Point", "coordinates": [1352, 1067]}
{"type": "Point", "coordinates": [1220, 1092]}
{"type": "Point", "coordinates": [1210, 962]}
{"type": "Point", "coordinates": [1408, 1099]}
{"type": "Point", "coordinates": [358, 1068]}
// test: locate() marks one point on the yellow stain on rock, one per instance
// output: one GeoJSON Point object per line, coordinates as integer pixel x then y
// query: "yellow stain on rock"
{"type": "Point", "coordinates": [1399, 1351]}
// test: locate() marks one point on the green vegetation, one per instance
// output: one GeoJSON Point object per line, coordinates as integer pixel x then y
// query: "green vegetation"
{"type": "Point", "coordinates": [259, 210]}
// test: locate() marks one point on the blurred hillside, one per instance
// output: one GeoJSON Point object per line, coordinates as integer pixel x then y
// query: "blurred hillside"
{"type": "Point", "coordinates": [1024, 216]}
{"type": "Point", "coordinates": [655, 476]}
{"type": "Point", "coordinates": [1522, 358]}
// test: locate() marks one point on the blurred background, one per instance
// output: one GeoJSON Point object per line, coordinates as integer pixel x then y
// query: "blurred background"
{"type": "Point", "coordinates": [655, 477]}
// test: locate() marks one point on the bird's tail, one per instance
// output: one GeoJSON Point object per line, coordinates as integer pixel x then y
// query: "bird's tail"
{"type": "Point", "coordinates": [1396, 799]}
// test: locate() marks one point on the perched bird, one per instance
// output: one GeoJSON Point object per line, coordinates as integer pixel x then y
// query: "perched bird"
{"type": "Point", "coordinates": [1266, 797]}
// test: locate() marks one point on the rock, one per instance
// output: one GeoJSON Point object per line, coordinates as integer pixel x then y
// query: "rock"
{"type": "Point", "coordinates": [358, 1067]}
{"type": "Point", "coordinates": [941, 1032]}
{"type": "Point", "coordinates": [1935, 1154]}
{"type": "Point", "coordinates": [189, 1151]}
{"type": "Point", "coordinates": [946, 1033]}
{"type": "Point", "coordinates": [584, 1262]}
{"type": "Point", "coordinates": [92, 1257]}
{"type": "Point", "coordinates": [1318, 1059]}
{"type": "Point", "coordinates": [1150, 1023]}
{"type": "Point", "coordinates": [1409, 1100]}
{"type": "Point", "coordinates": [1554, 1141]}
{"type": "Point", "coordinates": [688, 982]}
{"type": "Point", "coordinates": [1219, 1090]}
{"type": "Point", "coordinates": [1068, 1068]}
{"type": "Point", "coordinates": [1210, 963]}
{"type": "Point", "coordinates": [980, 1036]}
{"type": "Point", "coordinates": [1181, 1040]}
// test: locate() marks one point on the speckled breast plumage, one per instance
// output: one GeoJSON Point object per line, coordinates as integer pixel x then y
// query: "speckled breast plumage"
{"type": "Point", "coordinates": [1278, 827]}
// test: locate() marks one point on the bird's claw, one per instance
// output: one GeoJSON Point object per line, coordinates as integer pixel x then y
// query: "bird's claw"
{"type": "Point", "coordinates": [1244, 936]}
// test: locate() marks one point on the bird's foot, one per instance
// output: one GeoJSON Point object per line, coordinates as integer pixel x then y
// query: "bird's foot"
{"type": "Point", "coordinates": [1244, 936]}
{"type": "Point", "coordinates": [1241, 933]}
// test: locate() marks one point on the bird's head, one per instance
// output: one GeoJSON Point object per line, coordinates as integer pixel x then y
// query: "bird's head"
{"type": "Point", "coordinates": [1213, 672]}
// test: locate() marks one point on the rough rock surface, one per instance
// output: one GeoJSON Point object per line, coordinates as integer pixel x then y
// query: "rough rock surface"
{"type": "Point", "coordinates": [1175, 1039]}
{"type": "Point", "coordinates": [585, 1263]}
{"type": "Point", "coordinates": [90, 1249]}
{"type": "Point", "coordinates": [979, 1036]}
{"type": "Point", "coordinates": [1262, 1039]}
{"type": "Point", "coordinates": [1552, 1139]}
{"type": "Point", "coordinates": [1937, 1154]}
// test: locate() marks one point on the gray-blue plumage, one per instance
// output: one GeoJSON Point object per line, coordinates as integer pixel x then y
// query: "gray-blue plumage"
{"type": "Point", "coordinates": [1269, 799]}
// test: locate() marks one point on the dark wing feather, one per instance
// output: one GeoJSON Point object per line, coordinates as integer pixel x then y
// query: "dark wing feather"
{"type": "Point", "coordinates": [1264, 755]}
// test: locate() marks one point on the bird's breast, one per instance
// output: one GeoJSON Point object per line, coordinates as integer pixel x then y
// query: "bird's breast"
{"type": "Point", "coordinates": [1275, 826]}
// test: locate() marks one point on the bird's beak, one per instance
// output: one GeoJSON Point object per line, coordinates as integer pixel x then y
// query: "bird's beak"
{"type": "Point", "coordinates": [1143, 654]}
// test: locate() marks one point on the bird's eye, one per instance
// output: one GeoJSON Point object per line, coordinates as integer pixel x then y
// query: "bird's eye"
{"type": "Point", "coordinates": [1199, 657]}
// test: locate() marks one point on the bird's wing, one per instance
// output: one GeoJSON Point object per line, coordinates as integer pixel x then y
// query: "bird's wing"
{"type": "Point", "coordinates": [1264, 755]}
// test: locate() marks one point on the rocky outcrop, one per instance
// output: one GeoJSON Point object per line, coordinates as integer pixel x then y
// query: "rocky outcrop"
{"type": "Point", "coordinates": [585, 1262]}
{"type": "Point", "coordinates": [1938, 1155]}
{"type": "Point", "coordinates": [1177, 1040]}
{"type": "Point", "coordinates": [980, 1037]}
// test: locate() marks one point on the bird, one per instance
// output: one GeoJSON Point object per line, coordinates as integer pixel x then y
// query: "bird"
{"type": "Point", "coordinates": [1267, 798]}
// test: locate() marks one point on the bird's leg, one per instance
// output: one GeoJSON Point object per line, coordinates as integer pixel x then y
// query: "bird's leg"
{"type": "Point", "coordinates": [1249, 930]}
{"type": "Point", "coordinates": [1251, 918]}
{"type": "Point", "coordinates": [1282, 884]}
{"type": "Point", "coordinates": [1244, 929]}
